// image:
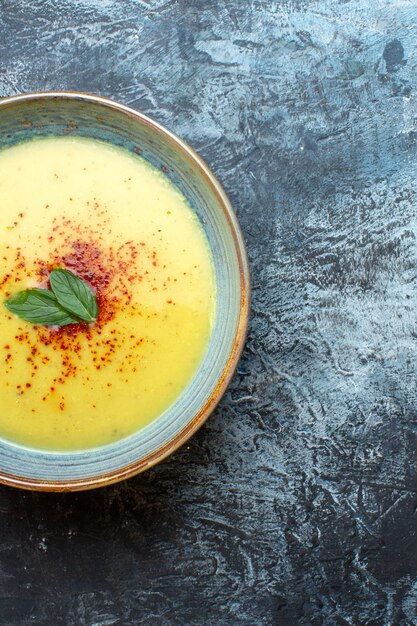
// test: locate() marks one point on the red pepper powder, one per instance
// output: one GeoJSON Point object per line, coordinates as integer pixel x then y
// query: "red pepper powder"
{"type": "Point", "coordinates": [110, 271]}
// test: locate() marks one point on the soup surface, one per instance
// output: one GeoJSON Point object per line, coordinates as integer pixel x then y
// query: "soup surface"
{"type": "Point", "coordinates": [120, 225]}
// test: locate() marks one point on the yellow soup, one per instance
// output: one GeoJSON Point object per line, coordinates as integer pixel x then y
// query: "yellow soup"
{"type": "Point", "coordinates": [120, 225]}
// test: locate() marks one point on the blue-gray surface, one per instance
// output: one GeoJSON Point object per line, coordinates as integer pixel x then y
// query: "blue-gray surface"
{"type": "Point", "coordinates": [295, 503]}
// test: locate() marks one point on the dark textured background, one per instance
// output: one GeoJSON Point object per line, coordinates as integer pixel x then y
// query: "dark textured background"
{"type": "Point", "coordinates": [295, 503]}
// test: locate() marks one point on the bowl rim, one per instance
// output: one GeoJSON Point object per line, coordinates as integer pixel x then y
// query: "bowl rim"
{"type": "Point", "coordinates": [241, 331]}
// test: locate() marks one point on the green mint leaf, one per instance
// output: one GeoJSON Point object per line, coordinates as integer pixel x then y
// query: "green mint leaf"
{"type": "Point", "coordinates": [39, 306]}
{"type": "Point", "coordinates": [74, 295]}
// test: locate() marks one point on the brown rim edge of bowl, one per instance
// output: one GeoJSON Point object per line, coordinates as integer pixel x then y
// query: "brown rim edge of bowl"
{"type": "Point", "coordinates": [240, 336]}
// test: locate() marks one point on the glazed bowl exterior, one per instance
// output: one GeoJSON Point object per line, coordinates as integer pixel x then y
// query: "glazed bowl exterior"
{"type": "Point", "coordinates": [35, 115]}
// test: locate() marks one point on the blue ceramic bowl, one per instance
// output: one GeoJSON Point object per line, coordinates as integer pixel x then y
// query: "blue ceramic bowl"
{"type": "Point", "coordinates": [44, 114]}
